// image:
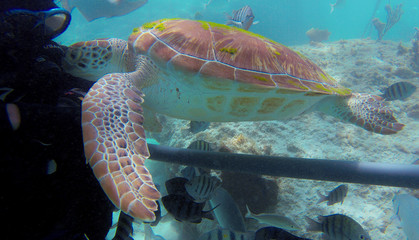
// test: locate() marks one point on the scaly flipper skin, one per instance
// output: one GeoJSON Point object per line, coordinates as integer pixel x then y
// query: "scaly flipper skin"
{"type": "Point", "coordinates": [115, 144]}
{"type": "Point", "coordinates": [367, 111]}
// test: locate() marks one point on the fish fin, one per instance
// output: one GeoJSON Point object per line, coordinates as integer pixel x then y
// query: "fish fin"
{"type": "Point", "coordinates": [115, 2]}
{"type": "Point", "coordinates": [313, 225]}
{"type": "Point", "coordinates": [197, 221]}
{"type": "Point", "coordinates": [322, 197]}
{"type": "Point", "coordinates": [229, 22]}
{"type": "Point", "coordinates": [228, 16]}
{"type": "Point", "coordinates": [255, 22]}
{"type": "Point", "coordinates": [208, 215]}
{"type": "Point", "coordinates": [382, 90]}
{"type": "Point", "coordinates": [66, 5]}
{"type": "Point", "coordinates": [148, 232]}
{"type": "Point", "coordinates": [212, 209]}
{"type": "Point", "coordinates": [249, 213]}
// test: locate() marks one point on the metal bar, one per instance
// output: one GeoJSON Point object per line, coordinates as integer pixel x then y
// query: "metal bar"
{"type": "Point", "coordinates": [395, 175]}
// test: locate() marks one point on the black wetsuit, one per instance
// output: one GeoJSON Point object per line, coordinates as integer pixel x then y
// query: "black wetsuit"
{"type": "Point", "coordinates": [37, 200]}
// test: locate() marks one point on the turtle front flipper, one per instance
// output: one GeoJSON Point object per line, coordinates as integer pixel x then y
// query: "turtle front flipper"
{"type": "Point", "coordinates": [115, 144]}
{"type": "Point", "coordinates": [367, 111]}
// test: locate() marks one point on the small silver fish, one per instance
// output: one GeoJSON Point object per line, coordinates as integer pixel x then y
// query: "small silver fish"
{"type": "Point", "coordinates": [226, 234]}
{"type": "Point", "coordinates": [336, 195]}
{"type": "Point", "coordinates": [227, 213]}
{"type": "Point", "coordinates": [398, 91]}
{"type": "Point", "coordinates": [406, 208]}
{"type": "Point", "coordinates": [273, 220]}
{"type": "Point", "coordinates": [338, 227]}
{"type": "Point", "coordinates": [242, 18]}
{"type": "Point", "coordinates": [201, 188]}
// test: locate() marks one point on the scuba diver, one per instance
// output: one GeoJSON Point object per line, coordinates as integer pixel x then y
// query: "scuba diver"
{"type": "Point", "coordinates": [49, 192]}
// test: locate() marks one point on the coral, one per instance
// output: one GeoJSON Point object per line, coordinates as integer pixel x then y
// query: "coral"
{"type": "Point", "coordinates": [317, 35]}
{"type": "Point", "coordinates": [415, 53]}
{"type": "Point", "coordinates": [416, 37]}
{"type": "Point", "coordinates": [401, 50]}
{"type": "Point", "coordinates": [242, 144]}
{"type": "Point", "coordinates": [393, 16]}
{"type": "Point", "coordinates": [259, 193]}
{"type": "Point", "coordinates": [379, 26]}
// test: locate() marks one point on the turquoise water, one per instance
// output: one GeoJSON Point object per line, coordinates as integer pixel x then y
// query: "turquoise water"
{"type": "Point", "coordinates": [284, 21]}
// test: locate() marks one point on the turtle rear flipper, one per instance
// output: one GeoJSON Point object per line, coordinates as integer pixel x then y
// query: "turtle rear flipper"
{"type": "Point", "coordinates": [115, 144]}
{"type": "Point", "coordinates": [367, 111]}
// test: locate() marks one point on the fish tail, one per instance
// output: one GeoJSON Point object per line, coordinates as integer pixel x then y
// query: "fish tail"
{"type": "Point", "coordinates": [229, 22]}
{"type": "Point", "coordinates": [228, 16]}
{"type": "Point", "coordinates": [67, 5]}
{"type": "Point", "coordinates": [322, 197]}
{"type": "Point", "coordinates": [249, 213]}
{"type": "Point", "coordinates": [313, 225]}
{"type": "Point", "coordinates": [208, 214]}
{"type": "Point", "coordinates": [332, 7]}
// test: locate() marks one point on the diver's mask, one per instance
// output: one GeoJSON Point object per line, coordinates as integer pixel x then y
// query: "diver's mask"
{"type": "Point", "coordinates": [36, 24]}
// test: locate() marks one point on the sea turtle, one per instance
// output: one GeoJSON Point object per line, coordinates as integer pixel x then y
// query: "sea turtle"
{"type": "Point", "coordinates": [199, 71]}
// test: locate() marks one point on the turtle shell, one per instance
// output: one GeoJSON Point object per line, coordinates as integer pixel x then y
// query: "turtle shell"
{"type": "Point", "coordinates": [230, 53]}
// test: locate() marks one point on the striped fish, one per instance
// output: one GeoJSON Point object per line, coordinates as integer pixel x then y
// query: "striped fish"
{"type": "Point", "coordinates": [176, 186]}
{"type": "Point", "coordinates": [274, 233]}
{"type": "Point", "coordinates": [338, 227]}
{"type": "Point", "coordinates": [184, 209]}
{"type": "Point", "coordinates": [201, 188]}
{"type": "Point", "coordinates": [200, 145]}
{"type": "Point", "coordinates": [227, 234]}
{"type": "Point", "coordinates": [398, 91]}
{"type": "Point", "coordinates": [242, 18]}
{"type": "Point", "coordinates": [191, 172]}
{"type": "Point", "coordinates": [336, 195]}
{"type": "Point", "coordinates": [124, 228]}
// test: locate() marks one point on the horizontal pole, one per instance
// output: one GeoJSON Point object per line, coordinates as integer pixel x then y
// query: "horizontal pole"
{"type": "Point", "coordinates": [395, 175]}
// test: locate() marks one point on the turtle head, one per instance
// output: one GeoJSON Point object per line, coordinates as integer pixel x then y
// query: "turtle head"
{"type": "Point", "coordinates": [93, 59]}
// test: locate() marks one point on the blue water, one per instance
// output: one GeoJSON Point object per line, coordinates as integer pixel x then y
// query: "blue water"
{"type": "Point", "coordinates": [284, 21]}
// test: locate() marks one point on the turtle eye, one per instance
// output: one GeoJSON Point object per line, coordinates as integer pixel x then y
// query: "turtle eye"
{"type": "Point", "coordinates": [361, 237]}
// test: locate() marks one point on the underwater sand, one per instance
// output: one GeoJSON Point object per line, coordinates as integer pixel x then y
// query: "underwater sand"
{"type": "Point", "coordinates": [363, 65]}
